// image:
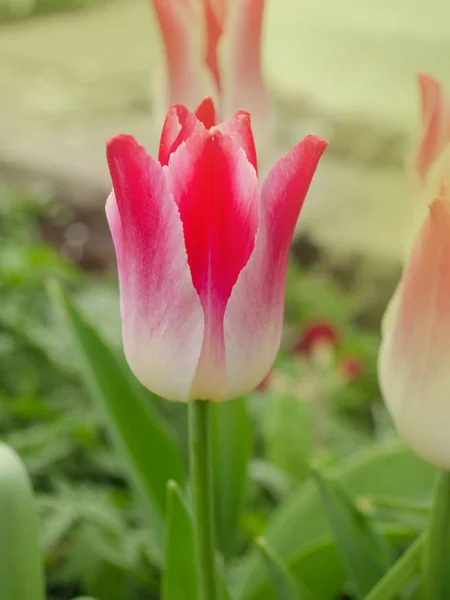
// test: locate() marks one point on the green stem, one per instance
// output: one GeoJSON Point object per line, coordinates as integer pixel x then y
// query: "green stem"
{"type": "Point", "coordinates": [399, 574]}
{"type": "Point", "coordinates": [435, 556]}
{"type": "Point", "coordinates": [202, 496]}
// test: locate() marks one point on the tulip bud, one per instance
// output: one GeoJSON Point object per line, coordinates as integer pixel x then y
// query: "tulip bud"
{"type": "Point", "coordinates": [414, 359]}
{"type": "Point", "coordinates": [202, 252]}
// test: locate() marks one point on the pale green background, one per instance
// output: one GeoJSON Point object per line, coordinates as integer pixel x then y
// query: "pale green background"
{"type": "Point", "coordinates": [345, 69]}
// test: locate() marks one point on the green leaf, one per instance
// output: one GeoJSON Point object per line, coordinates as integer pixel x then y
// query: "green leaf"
{"type": "Point", "coordinates": [362, 550]}
{"type": "Point", "coordinates": [283, 583]}
{"type": "Point", "coordinates": [21, 574]}
{"type": "Point", "coordinates": [231, 450]}
{"type": "Point", "coordinates": [179, 579]}
{"type": "Point", "coordinates": [299, 525]}
{"type": "Point", "coordinates": [223, 587]}
{"type": "Point", "coordinates": [402, 571]}
{"type": "Point", "coordinates": [150, 453]}
{"type": "Point", "coordinates": [310, 565]}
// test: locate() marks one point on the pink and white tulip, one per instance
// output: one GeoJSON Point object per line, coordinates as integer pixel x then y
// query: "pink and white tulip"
{"type": "Point", "coordinates": [213, 48]}
{"type": "Point", "coordinates": [414, 359]}
{"type": "Point", "coordinates": [202, 252]}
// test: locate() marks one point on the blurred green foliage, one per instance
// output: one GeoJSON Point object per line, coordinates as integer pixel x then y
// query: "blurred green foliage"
{"type": "Point", "coordinates": [93, 533]}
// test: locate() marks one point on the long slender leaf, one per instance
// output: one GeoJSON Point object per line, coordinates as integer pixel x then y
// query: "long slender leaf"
{"type": "Point", "coordinates": [401, 572]}
{"type": "Point", "coordinates": [150, 453]}
{"type": "Point", "coordinates": [311, 564]}
{"type": "Point", "coordinates": [362, 550]}
{"type": "Point", "coordinates": [21, 573]}
{"type": "Point", "coordinates": [299, 524]}
{"type": "Point", "coordinates": [223, 585]}
{"type": "Point", "coordinates": [179, 579]}
{"type": "Point", "coordinates": [285, 586]}
{"type": "Point", "coordinates": [231, 451]}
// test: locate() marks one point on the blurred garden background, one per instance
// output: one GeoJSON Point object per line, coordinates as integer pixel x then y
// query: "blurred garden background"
{"type": "Point", "coordinates": [75, 72]}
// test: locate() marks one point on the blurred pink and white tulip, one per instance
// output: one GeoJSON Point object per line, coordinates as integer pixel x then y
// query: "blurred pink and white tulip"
{"type": "Point", "coordinates": [414, 359]}
{"type": "Point", "coordinates": [213, 48]}
{"type": "Point", "coordinates": [202, 252]}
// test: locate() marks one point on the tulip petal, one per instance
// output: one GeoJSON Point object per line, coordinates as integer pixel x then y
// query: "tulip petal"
{"type": "Point", "coordinates": [216, 189]}
{"type": "Point", "coordinates": [219, 8]}
{"type": "Point", "coordinates": [240, 66]}
{"type": "Point", "coordinates": [414, 356]}
{"type": "Point", "coordinates": [254, 314]}
{"type": "Point", "coordinates": [239, 127]}
{"type": "Point", "coordinates": [162, 317]}
{"type": "Point", "coordinates": [183, 29]}
{"type": "Point", "coordinates": [435, 123]}
{"type": "Point", "coordinates": [215, 13]}
{"type": "Point", "coordinates": [206, 113]}
{"type": "Point", "coordinates": [179, 125]}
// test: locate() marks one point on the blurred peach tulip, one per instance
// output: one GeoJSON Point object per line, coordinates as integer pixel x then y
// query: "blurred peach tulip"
{"type": "Point", "coordinates": [435, 140]}
{"type": "Point", "coordinates": [430, 159]}
{"type": "Point", "coordinates": [414, 360]}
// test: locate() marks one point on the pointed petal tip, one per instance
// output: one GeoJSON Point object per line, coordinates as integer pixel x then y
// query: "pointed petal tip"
{"type": "Point", "coordinates": [316, 142]}
{"type": "Point", "coordinates": [179, 125]}
{"type": "Point", "coordinates": [244, 118]}
{"type": "Point", "coordinates": [244, 114]}
{"type": "Point", "coordinates": [206, 112]}
{"type": "Point", "coordinates": [309, 151]}
{"type": "Point", "coordinates": [239, 127]}
{"type": "Point", "coordinates": [420, 75]}
{"type": "Point", "coordinates": [118, 143]}
{"type": "Point", "coordinates": [119, 138]}
{"type": "Point", "coordinates": [435, 118]}
{"type": "Point", "coordinates": [440, 210]}
{"type": "Point", "coordinates": [423, 78]}
{"type": "Point", "coordinates": [179, 110]}
{"type": "Point", "coordinates": [429, 89]}
{"type": "Point", "coordinates": [207, 101]}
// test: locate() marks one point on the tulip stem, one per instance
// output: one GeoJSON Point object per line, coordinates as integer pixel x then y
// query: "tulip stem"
{"type": "Point", "coordinates": [435, 556]}
{"type": "Point", "coordinates": [202, 496]}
